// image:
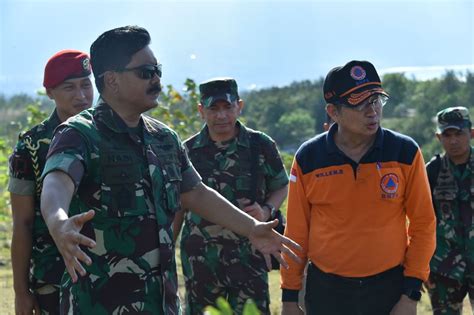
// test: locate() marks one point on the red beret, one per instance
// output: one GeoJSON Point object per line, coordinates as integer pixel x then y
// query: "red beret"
{"type": "Point", "coordinates": [64, 65]}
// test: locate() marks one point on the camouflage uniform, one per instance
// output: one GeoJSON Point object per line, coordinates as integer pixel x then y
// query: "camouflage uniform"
{"type": "Point", "coordinates": [132, 178]}
{"type": "Point", "coordinates": [452, 266]}
{"type": "Point", "coordinates": [26, 164]}
{"type": "Point", "coordinates": [217, 262]}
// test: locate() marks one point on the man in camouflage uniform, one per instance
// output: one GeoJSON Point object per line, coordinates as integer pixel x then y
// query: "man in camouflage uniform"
{"type": "Point", "coordinates": [114, 180]}
{"type": "Point", "coordinates": [452, 185]}
{"type": "Point", "coordinates": [245, 167]}
{"type": "Point", "coordinates": [36, 262]}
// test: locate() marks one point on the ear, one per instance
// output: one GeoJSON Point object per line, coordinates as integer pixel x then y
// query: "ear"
{"type": "Point", "coordinates": [438, 135]}
{"type": "Point", "coordinates": [332, 112]}
{"type": "Point", "coordinates": [472, 133]}
{"type": "Point", "coordinates": [50, 94]}
{"type": "Point", "coordinates": [201, 110]}
{"type": "Point", "coordinates": [111, 81]}
{"type": "Point", "coordinates": [241, 106]}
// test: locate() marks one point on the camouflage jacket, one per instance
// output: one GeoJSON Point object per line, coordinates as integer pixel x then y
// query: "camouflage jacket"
{"type": "Point", "coordinates": [453, 199]}
{"type": "Point", "coordinates": [133, 181]}
{"type": "Point", "coordinates": [26, 164]}
{"type": "Point", "coordinates": [227, 169]}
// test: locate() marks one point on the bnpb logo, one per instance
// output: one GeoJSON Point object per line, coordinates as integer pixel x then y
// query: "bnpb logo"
{"type": "Point", "coordinates": [358, 73]}
{"type": "Point", "coordinates": [389, 183]}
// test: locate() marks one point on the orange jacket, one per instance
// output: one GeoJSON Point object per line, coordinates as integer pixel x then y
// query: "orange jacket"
{"type": "Point", "coordinates": [351, 219]}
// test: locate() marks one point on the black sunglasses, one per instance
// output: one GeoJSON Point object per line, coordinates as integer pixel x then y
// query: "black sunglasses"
{"type": "Point", "coordinates": [145, 72]}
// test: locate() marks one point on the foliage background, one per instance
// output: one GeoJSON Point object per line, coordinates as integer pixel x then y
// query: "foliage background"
{"type": "Point", "coordinates": [289, 114]}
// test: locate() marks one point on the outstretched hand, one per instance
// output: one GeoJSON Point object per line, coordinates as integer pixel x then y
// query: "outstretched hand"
{"type": "Point", "coordinates": [264, 238]}
{"type": "Point", "coordinates": [68, 239]}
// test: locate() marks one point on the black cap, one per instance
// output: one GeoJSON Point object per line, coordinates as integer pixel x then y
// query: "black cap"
{"type": "Point", "coordinates": [352, 83]}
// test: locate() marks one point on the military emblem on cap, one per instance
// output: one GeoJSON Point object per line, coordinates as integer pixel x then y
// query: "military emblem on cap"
{"type": "Point", "coordinates": [453, 118]}
{"type": "Point", "coordinates": [86, 65]}
{"type": "Point", "coordinates": [66, 64]}
{"type": "Point", "coordinates": [358, 73]}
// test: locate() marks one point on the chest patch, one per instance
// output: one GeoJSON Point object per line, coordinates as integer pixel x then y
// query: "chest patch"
{"type": "Point", "coordinates": [389, 183]}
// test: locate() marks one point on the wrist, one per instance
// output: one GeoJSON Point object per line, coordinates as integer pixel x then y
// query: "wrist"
{"type": "Point", "coordinates": [412, 288]}
{"type": "Point", "coordinates": [267, 213]}
{"type": "Point", "coordinates": [253, 225]}
{"type": "Point", "coordinates": [270, 209]}
{"type": "Point", "coordinates": [289, 295]}
{"type": "Point", "coordinates": [21, 289]}
{"type": "Point", "coordinates": [54, 223]}
{"type": "Point", "coordinates": [412, 295]}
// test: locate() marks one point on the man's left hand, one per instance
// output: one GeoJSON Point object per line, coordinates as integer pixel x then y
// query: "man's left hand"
{"type": "Point", "coordinates": [254, 210]}
{"type": "Point", "coordinates": [404, 306]}
{"type": "Point", "coordinates": [270, 242]}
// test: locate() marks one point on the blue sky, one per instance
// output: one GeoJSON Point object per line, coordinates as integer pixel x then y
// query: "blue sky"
{"type": "Point", "coordinates": [261, 43]}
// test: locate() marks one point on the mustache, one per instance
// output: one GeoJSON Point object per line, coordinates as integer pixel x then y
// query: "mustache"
{"type": "Point", "coordinates": [154, 89]}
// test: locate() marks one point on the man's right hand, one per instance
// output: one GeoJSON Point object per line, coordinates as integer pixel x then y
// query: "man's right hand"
{"type": "Point", "coordinates": [26, 304]}
{"type": "Point", "coordinates": [291, 308]}
{"type": "Point", "coordinates": [428, 284]}
{"type": "Point", "coordinates": [67, 236]}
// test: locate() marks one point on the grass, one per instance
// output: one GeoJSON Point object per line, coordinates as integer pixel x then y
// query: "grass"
{"type": "Point", "coordinates": [6, 291]}
{"type": "Point", "coordinates": [6, 276]}
{"type": "Point", "coordinates": [7, 296]}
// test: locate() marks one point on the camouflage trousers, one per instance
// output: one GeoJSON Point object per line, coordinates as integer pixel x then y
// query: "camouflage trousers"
{"type": "Point", "coordinates": [124, 293]}
{"type": "Point", "coordinates": [47, 296]}
{"type": "Point", "coordinates": [208, 277]}
{"type": "Point", "coordinates": [447, 294]}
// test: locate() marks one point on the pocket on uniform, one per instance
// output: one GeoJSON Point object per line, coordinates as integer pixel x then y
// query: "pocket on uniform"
{"type": "Point", "coordinates": [172, 182]}
{"type": "Point", "coordinates": [444, 193]}
{"type": "Point", "coordinates": [120, 184]}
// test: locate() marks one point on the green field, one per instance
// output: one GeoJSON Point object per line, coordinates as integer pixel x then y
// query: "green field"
{"type": "Point", "coordinates": [6, 282]}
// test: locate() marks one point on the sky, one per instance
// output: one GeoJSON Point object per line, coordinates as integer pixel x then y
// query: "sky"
{"type": "Point", "coordinates": [261, 43]}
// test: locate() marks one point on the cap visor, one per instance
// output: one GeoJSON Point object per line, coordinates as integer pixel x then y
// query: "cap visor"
{"type": "Point", "coordinates": [357, 98]}
{"type": "Point", "coordinates": [458, 126]}
{"type": "Point", "coordinates": [208, 101]}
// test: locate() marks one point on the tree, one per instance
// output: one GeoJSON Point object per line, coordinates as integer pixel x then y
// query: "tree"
{"type": "Point", "coordinates": [179, 110]}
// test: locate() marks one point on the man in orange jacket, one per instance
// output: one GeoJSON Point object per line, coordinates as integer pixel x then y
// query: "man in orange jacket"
{"type": "Point", "coordinates": [350, 194]}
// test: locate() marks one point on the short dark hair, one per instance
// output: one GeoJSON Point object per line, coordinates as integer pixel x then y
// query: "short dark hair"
{"type": "Point", "coordinates": [114, 49]}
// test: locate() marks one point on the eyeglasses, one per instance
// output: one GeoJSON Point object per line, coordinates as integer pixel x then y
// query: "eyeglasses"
{"type": "Point", "coordinates": [145, 72]}
{"type": "Point", "coordinates": [376, 103]}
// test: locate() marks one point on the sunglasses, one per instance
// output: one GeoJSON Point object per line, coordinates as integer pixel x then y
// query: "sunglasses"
{"type": "Point", "coordinates": [376, 103]}
{"type": "Point", "coordinates": [145, 72]}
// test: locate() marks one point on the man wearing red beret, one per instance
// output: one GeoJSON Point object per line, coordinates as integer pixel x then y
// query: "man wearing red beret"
{"type": "Point", "coordinates": [36, 262]}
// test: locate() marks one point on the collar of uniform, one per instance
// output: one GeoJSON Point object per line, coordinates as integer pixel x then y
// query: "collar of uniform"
{"type": "Point", "coordinates": [243, 137]}
{"type": "Point", "coordinates": [203, 138]}
{"type": "Point", "coordinates": [111, 119]}
{"type": "Point", "coordinates": [469, 162]}
{"type": "Point", "coordinates": [332, 147]}
{"type": "Point", "coordinates": [54, 119]}
{"type": "Point", "coordinates": [51, 122]}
